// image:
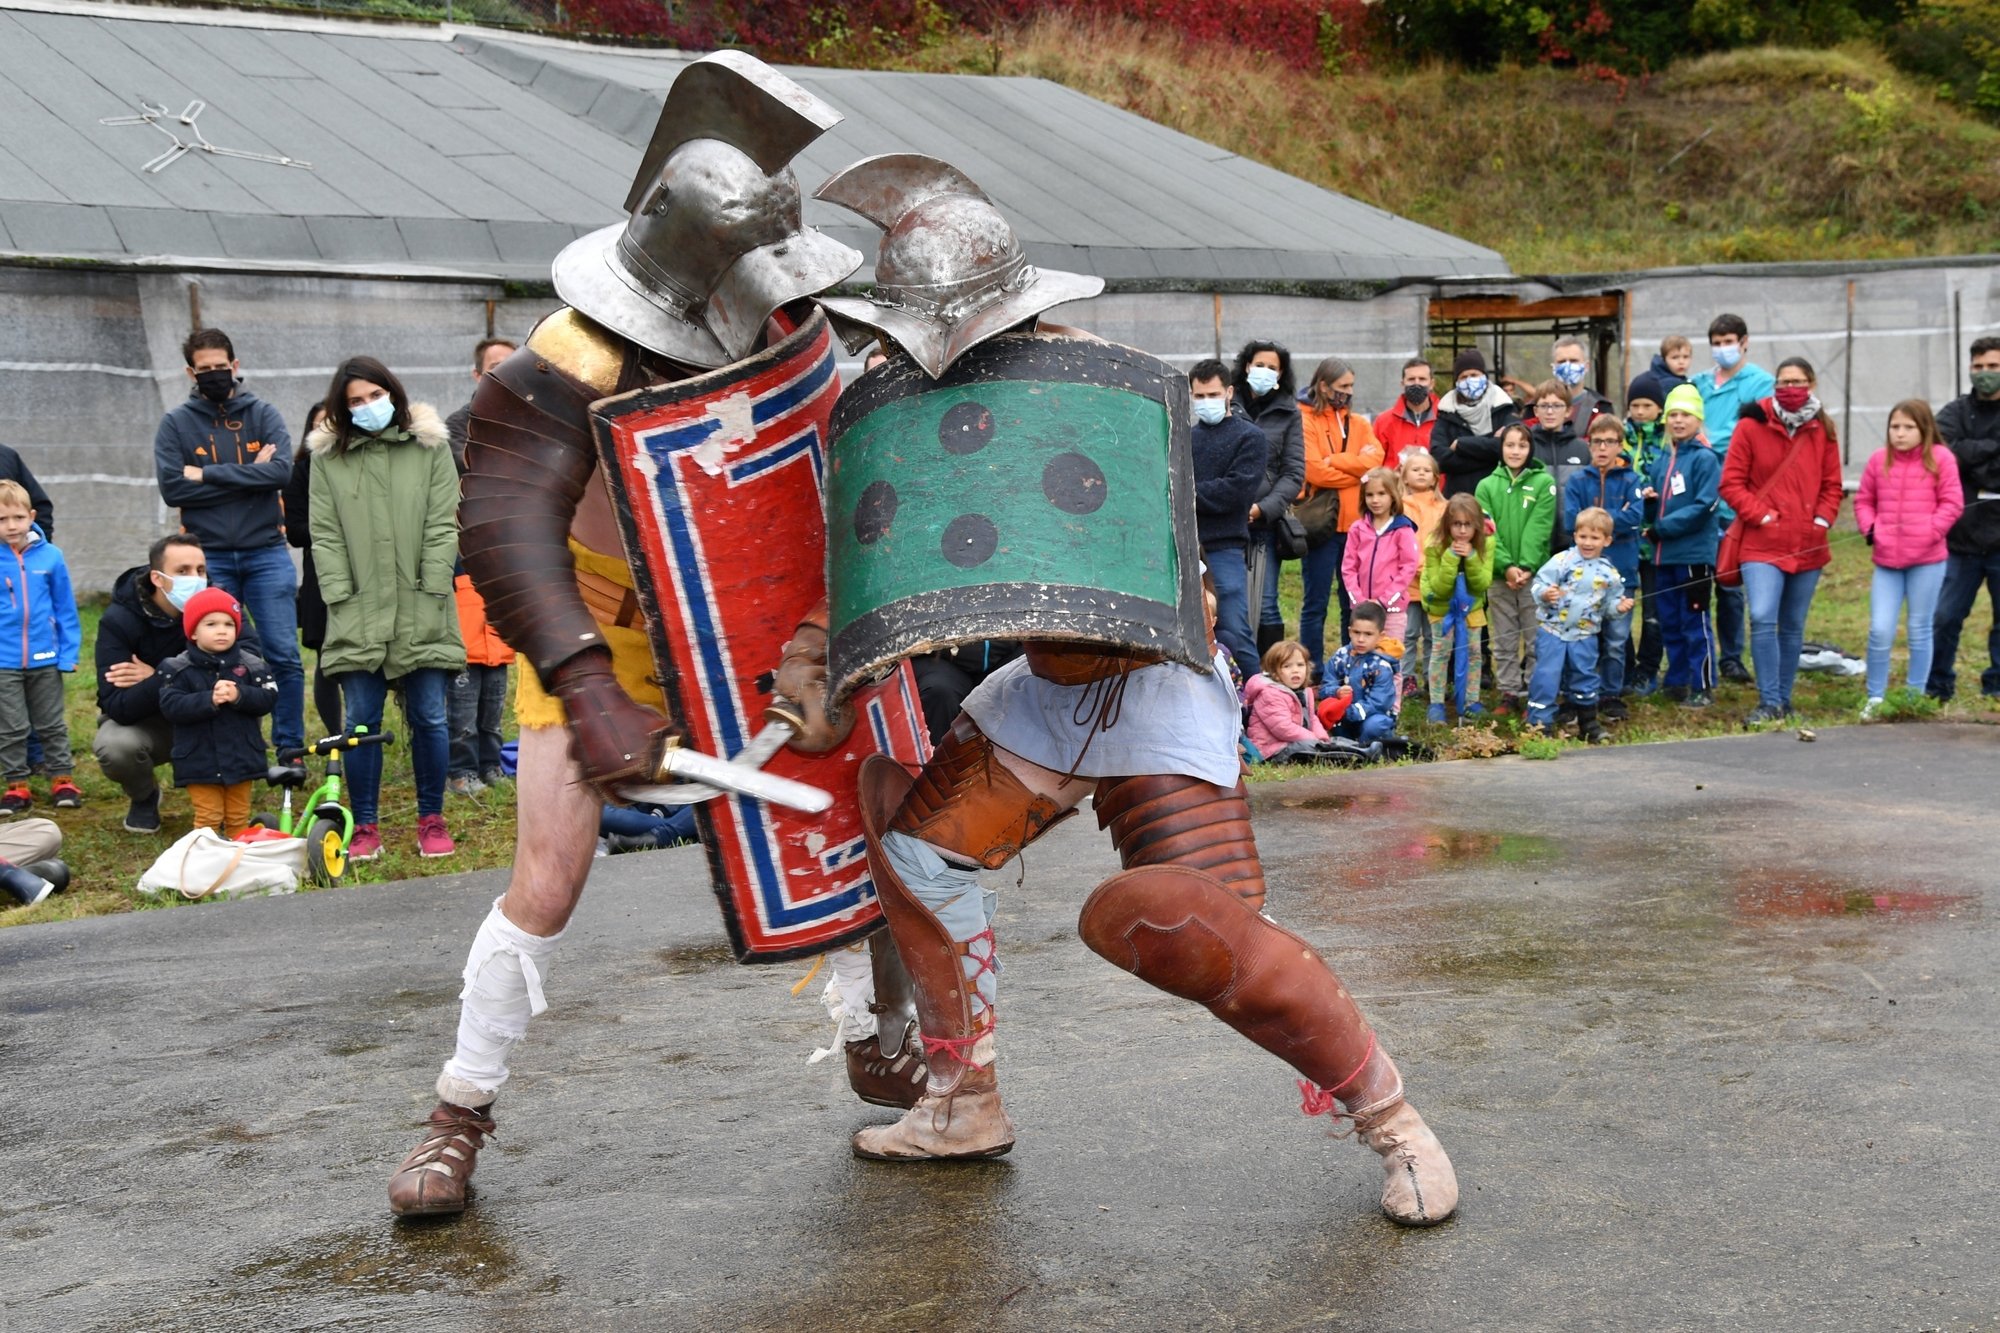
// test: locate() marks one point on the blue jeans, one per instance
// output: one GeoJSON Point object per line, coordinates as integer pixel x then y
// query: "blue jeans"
{"type": "Point", "coordinates": [1729, 623]}
{"type": "Point", "coordinates": [1267, 606]}
{"type": "Point", "coordinates": [1611, 641]}
{"type": "Point", "coordinates": [1919, 586]}
{"type": "Point", "coordinates": [1778, 605]}
{"type": "Point", "coordinates": [363, 693]}
{"type": "Point", "coordinates": [478, 700]}
{"type": "Point", "coordinates": [1367, 730]}
{"type": "Point", "coordinates": [1232, 606]}
{"type": "Point", "coordinates": [1319, 567]}
{"type": "Point", "coordinates": [1556, 661]}
{"type": "Point", "coordinates": [1963, 574]}
{"type": "Point", "coordinates": [262, 578]}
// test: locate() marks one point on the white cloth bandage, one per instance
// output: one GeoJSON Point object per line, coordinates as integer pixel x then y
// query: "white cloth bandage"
{"type": "Point", "coordinates": [850, 989]}
{"type": "Point", "coordinates": [503, 990]}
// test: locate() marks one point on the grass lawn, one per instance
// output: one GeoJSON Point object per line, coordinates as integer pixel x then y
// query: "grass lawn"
{"type": "Point", "coordinates": [106, 861]}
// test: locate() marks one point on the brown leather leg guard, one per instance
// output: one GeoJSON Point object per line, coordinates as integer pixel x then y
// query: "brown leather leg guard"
{"type": "Point", "coordinates": [1185, 932]}
{"type": "Point", "coordinates": [966, 801]}
{"type": "Point", "coordinates": [1171, 819]}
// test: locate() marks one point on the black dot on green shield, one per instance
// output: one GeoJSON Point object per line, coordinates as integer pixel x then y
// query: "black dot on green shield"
{"type": "Point", "coordinates": [966, 428]}
{"type": "Point", "coordinates": [1074, 484]}
{"type": "Point", "coordinates": [969, 540]}
{"type": "Point", "coordinates": [874, 512]}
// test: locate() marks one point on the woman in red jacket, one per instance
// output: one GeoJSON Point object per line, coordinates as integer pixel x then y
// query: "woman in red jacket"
{"type": "Point", "coordinates": [1782, 477]}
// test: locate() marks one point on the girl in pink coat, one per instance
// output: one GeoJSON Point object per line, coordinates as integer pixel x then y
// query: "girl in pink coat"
{"type": "Point", "coordinates": [1382, 555]}
{"type": "Point", "coordinates": [1284, 724]}
{"type": "Point", "coordinates": [1909, 496]}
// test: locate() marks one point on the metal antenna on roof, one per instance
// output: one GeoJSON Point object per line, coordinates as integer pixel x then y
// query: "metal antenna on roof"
{"type": "Point", "coordinates": [152, 115]}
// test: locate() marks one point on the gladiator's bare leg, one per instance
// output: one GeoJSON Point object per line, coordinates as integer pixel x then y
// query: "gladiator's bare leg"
{"type": "Point", "coordinates": [505, 971]}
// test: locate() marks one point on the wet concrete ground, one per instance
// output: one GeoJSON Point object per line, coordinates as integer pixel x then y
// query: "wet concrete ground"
{"type": "Point", "coordinates": [1708, 1028]}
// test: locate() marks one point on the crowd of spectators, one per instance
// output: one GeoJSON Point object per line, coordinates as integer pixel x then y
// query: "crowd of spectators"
{"type": "Point", "coordinates": [1505, 530]}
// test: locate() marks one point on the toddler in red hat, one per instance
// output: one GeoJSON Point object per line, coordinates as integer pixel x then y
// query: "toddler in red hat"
{"type": "Point", "coordinates": [214, 694]}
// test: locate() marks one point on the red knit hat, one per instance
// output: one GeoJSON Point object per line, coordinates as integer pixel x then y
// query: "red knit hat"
{"type": "Point", "coordinates": [206, 602]}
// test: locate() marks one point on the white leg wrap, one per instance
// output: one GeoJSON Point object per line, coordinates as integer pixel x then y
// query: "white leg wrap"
{"type": "Point", "coordinates": [503, 990]}
{"type": "Point", "coordinates": [850, 989]}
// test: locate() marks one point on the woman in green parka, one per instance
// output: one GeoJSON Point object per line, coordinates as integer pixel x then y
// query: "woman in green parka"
{"type": "Point", "coordinates": [385, 540]}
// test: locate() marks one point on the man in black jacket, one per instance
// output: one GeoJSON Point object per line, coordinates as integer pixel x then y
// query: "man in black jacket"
{"type": "Point", "coordinates": [221, 458]}
{"type": "Point", "coordinates": [1971, 426]}
{"type": "Point", "coordinates": [1229, 455]}
{"type": "Point", "coordinates": [141, 629]}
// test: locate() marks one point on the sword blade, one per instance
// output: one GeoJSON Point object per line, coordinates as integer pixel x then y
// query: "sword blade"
{"type": "Point", "coordinates": [730, 776]}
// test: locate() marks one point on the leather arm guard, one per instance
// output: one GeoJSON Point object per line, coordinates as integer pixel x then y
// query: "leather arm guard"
{"type": "Point", "coordinates": [799, 689]}
{"type": "Point", "coordinates": [529, 457]}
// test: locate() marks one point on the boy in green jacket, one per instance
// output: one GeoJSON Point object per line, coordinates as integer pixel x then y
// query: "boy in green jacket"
{"type": "Point", "coordinates": [1519, 498]}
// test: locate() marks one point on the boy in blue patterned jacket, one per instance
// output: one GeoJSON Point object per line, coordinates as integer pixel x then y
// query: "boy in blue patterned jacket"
{"type": "Point", "coordinates": [1359, 684]}
{"type": "Point", "coordinates": [1576, 593]}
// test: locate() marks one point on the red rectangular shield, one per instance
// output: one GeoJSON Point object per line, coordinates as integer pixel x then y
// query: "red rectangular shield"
{"type": "Point", "coordinates": [718, 484]}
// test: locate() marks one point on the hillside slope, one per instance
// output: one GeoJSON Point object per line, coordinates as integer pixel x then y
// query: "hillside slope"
{"type": "Point", "coordinates": [1766, 154]}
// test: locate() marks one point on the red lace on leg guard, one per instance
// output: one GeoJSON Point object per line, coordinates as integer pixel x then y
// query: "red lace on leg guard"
{"type": "Point", "coordinates": [1315, 1100]}
{"type": "Point", "coordinates": [960, 1048]}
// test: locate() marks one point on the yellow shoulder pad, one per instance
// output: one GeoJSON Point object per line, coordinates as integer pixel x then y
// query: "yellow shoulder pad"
{"type": "Point", "coordinates": [572, 343]}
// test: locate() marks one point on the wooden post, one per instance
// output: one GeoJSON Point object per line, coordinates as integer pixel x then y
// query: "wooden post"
{"type": "Point", "coordinates": [1218, 325]}
{"type": "Point", "coordinates": [194, 307]}
{"type": "Point", "coordinates": [489, 316]}
{"type": "Point", "coordinates": [1847, 384]}
{"type": "Point", "coordinates": [1958, 356]}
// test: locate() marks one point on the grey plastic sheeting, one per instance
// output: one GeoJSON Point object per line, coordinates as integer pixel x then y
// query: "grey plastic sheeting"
{"type": "Point", "coordinates": [487, 155]}
{"type": "Point", "coordinates": [90, 359]}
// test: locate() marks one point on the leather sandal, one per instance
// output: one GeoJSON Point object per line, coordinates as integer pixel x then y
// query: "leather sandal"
{"type": "Point", "coordinates": [432, 1180]}
{"type": "Point", "coordinates": [1419, 1188]}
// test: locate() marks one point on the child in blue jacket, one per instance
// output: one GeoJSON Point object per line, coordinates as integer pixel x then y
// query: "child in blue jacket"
{"type": "Point", "coordinates": [1610, 485]}
{"type": "Point", "coordinates": [1359, 682]}
{"type": "Point", "coordinates": [1576, 595]}
{"type": "Point", "coordinates": [40, 639]}
{"type": "Point", "coordinates": [1682, 492]}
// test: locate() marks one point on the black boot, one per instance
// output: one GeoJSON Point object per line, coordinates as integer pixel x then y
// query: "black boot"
{"type": "Point", "coordinates": [24, 887]}
{"type": "Point", "coordinates": [1588, 728]}
{"type": "Point", "coordinates": [1268, 634]}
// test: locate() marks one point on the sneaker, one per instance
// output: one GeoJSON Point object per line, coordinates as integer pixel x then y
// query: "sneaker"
{"type": "Point", "coordinates": [1869, 709]}
{"type": "Point", "coordinates": [1613, 710]}
{"type": "Point", "coordinates": [1473, 709]}
{"type": "Point", "coordinates": [1640, 688]}
{"type": "Point", "coordinates": [293, 762]}
{"type": "Point", "coordinates": [465, 785]}
{"type": "Point", "coordinates": [144, 816]}
{"type": "Point", "coordinates": [493, 777]}
{"type": "Point", "coordinates": [1674, 693]}
{"type": "Point", "coordinates": [18, 800]}
{"type": "Point", "coordinates": [1762, 716]}
{"type": "Point", "coordinates": [1436, 714]}
{"type": "Point", "coordinates": [1411, 685]}
{"type": "Point", "coordinates": [1698, 699]}
{"type": "Point", "coordinates": [65, 794]}
{"type": "Point", "coordinates": [432, 840]}
{"type": "Point", "coordinates": [366, 844]}
{"type": "Point", "coordinates": [1735, 673]}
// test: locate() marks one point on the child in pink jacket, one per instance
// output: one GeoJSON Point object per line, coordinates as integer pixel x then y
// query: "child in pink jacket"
{"type": "Point", "coordinates": [1382, 556]}
{"type": "Point", "coordinates": [1909, 496]}
{"type": "Point", "coordinates": [1283, 722]}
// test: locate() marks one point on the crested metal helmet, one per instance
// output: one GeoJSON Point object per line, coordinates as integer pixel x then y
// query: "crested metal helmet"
{"type": "Point", "coordinates": [950, 273]}
{"type": "Point", "coordinates": [715, 241]}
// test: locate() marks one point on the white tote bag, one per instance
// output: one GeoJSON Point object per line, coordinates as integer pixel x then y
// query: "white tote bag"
{"type": "Point", "coordinates": [204, 864]}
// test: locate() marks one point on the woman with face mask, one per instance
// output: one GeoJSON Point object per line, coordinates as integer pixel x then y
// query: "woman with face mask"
{"type": "Point", "coordinates": [1466, 439]}
{"type": "Point", "coordinates": [1340, 447]}
{"type": "Point", "coordinates": [1782, 477]}
{"type": "Point", "coordinates": [385, 538]}
{"type": "Point", "coordinates": [1264, 391]}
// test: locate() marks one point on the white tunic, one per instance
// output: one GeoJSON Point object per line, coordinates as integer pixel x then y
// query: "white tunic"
{"type": "Point", "coordinates": [1174, 719]}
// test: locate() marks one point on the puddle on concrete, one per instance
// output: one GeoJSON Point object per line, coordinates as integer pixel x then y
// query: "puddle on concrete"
{"type": "Point", "coordinates": [681, 959]}
{"type": "Point", "coordinates": [1348, 800]}
{"type": "Point", "coordinates": [461, 1254]}
{"type": "Point", "coordinates": [1449, 846]}
{"type": "Point", "coordinates": [1791, 894]}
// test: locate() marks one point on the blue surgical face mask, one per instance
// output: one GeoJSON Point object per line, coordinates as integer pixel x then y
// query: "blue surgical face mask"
{"type": "Point", "coordinates": [1570, 372]}
{"type": "Point", "coordinates": [1210, 411]}
{"type": "Point", "coordinates": [1472, 388]}
{"type": "Point", "coordinates": [181, 587]}
{"type": "Point", "coordinates": [373, 416]}
{"type": "Point", "coordinates": [1727, 355]}
{"type": "Point", "coordinates": [1262, 379]}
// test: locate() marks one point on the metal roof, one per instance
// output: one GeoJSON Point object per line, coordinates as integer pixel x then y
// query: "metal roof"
{"type": "Point", "coordinates": [471, 152]}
